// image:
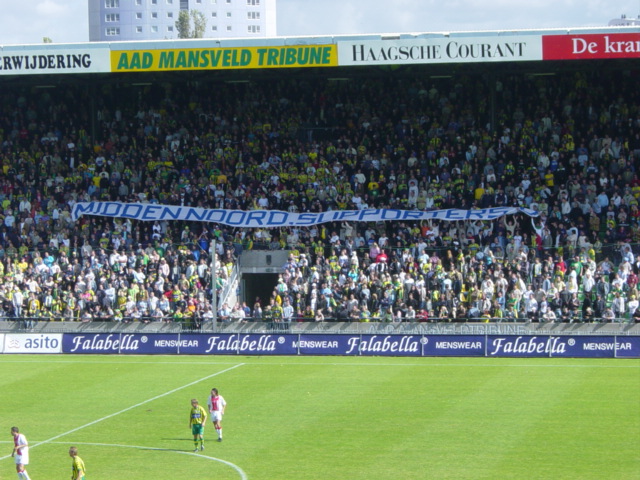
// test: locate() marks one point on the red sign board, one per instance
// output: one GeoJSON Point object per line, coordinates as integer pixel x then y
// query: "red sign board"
{"type": "Point", "coordinates": [591, 46]}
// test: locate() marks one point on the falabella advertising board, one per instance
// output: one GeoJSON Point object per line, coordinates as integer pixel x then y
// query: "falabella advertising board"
{"type": "Point", "coordinates": [454, 346]}
{"type": "Point", "coordinates": [563, 346]}
{"type": "Point", "coordinates": [189, 344]}
{"type": "Point", "coordinates": [558, 346]}
{"type": "Point", "coordinates": [337, 344]}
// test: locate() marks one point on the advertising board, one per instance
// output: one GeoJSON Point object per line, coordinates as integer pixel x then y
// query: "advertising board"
{"type": "Point", "coordinates": [32, 343]}
{"type": "Point", "coordinates": [392, 345]}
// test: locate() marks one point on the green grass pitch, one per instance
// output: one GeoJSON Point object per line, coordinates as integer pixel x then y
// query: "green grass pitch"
{"type": "Point", "coordinates": [308, 418]}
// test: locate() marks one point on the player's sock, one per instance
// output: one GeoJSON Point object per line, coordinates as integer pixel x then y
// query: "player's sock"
{"type": "Point", "coordinates": [219, 433]}
{"type": "Point", "coordinates": [23, 475]}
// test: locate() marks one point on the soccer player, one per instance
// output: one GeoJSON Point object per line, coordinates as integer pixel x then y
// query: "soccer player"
{"type": "Point", "coordinates": [197, 420]}
{"type": "Point", "coordinates": [77, 467]}
{"type": "Point", "coordinates": [20, 453]}
{"type": "Point", "coordinates": [217, 405]}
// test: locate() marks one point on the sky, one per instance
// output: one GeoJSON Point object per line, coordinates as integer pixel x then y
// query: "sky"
{"type": "Point", "coordinates": [65, 21]}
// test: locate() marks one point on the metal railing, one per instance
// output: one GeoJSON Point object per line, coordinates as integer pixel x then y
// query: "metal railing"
{"type": "Point", "coordinates": [204, 323]}
{"type": "Point", "coordinates": [230, 285]}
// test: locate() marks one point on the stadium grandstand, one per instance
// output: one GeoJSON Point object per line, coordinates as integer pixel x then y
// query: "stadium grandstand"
{"type": "Point", "coordinates": [520, 151]}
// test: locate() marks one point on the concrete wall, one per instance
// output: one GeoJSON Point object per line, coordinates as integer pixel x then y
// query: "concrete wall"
{"type": "Point", "coordinates": [263, 261]}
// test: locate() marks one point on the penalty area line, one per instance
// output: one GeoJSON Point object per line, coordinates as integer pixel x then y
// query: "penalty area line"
{"type": "Point", "coordinates": [131, 407]}
{"type": "Point", "coordinates": [242, 474]}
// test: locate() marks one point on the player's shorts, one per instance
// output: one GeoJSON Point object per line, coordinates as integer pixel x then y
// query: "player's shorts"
{"type": "Point", "coordinates": [216, 416]}
{"type": "Point", "coordinates": [21, 459]}
{"type": "Point", "coordinates": [197, 429]}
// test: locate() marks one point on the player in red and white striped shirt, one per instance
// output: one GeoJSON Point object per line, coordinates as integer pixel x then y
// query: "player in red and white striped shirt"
{"type": "Point", "coordinates": [20, 453]}
{"type": "Point", "coordinates": [217, 406]}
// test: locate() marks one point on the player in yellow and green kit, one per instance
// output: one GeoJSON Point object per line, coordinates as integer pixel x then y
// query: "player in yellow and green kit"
{"type": "Point", "coordinates": [77, 467]}
{"type": "Point", "coordinates": [197, 421]}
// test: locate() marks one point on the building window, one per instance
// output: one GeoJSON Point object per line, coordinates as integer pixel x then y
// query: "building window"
{"type": "Point", "coordinates": [138, 29]}
{"type": "Point", "coordinates": [214, 14]}
{"type": "Point", "coordinates": [112, 3]}
{"type": "Point", "coordinates": [138, 2]}
{"type": "Point", "coordinates": [228, 28]}
{"type": "Point", "coordinates": [253, 2]}
{"type": "Point", "coordinates": [169, 28]}
{"type": "Point", "coordinates": [154, 2]}
{"type": "Point", "coordinates": [253, 15]}
{"type": "Point", "coordinates": [253, 28]}
{"type": "Point", "coordinates": [154, 14]}
{"type": "Point", "coordinates": [154, 29]}
{"type": "Point", "coordinates": [169, 2]}
{"type": "Point", "coordinates": [228, 14]}
{"type": "Point", "coordinates": [214, 28]}
{"type": "Point", "coordinates": [198, 1]}
{"type": "Point", "coordinates": [112, 31]}
{"type": "Point", "coordinates": [228, 1]}
{"type": "Point", "coordinates": [169, 14]}
{"type": "Point", "coordinates": [138, 15]}
{"type": "Point", "coordinates": [112, 17]}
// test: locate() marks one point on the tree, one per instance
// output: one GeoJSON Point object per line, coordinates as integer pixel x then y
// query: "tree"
{"type": "Point", "coordinates": [185, 19]}
{"type": "Point", "coordinates": [183, 25]}
{"type": "Point", "coordinates": [199, 23]}
{"type": "Point", "coordinates": [46, 40]}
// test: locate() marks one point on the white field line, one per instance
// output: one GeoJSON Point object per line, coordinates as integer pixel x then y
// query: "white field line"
{"type": "Point", "coordinates": [350, 364]}
{"type": "Point", "coordinates": [243, 475]}
{"type": "Point", "coordinates": [130, 408]}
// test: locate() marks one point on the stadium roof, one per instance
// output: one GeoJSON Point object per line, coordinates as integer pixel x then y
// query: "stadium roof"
{"type": "Point", "coordinates": [430, 53]}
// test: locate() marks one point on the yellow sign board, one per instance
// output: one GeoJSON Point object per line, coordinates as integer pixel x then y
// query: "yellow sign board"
{"type": "Point", "coordinates": [224, 58]}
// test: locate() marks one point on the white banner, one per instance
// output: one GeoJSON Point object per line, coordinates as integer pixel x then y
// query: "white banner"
{"type": "Point", "coordinates": [49, 59]}
{"type": "Point", "coordinates": [33, 343]}
{"type": "Point", "coordinates": [458, 49]}
{"type": "Point", "coordinates": [277, 218]}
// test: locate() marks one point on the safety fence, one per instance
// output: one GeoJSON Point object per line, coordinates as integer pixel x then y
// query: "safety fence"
{"type": "Point", "coordinates": [197, 323]}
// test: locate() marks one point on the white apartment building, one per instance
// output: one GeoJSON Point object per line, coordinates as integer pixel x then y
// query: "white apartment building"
{"type": "Point", "coordinates": [131, 20]}
{"type": "Point", "coordinates": [624, 21]}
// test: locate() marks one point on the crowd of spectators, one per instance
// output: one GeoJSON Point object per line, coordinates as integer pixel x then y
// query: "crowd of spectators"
{"type": "Point", "coordinates": [566, 146]}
